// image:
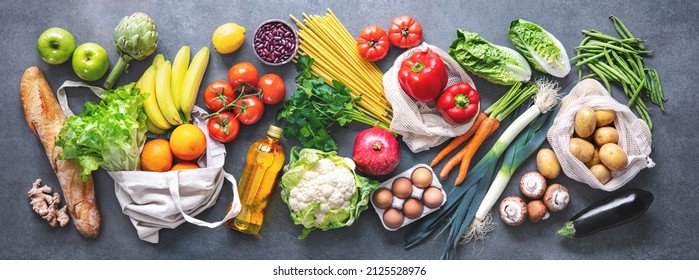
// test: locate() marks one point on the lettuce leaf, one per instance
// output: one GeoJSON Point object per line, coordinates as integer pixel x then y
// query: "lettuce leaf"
{"type": "Point", "coordinates": [302, 160]}
{"type": "Point", "coordinates": [496, 64]}
{"type": "Point", "coordinates": [541, 48]}
{"type": "Point", "coordinates": [110, 134]}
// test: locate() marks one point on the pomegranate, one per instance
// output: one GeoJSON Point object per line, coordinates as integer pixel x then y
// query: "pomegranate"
{"type": "Point", "coordinates": [376, 151]}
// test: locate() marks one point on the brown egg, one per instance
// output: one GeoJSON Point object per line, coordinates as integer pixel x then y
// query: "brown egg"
{"type": "Point", "coordinates": [393, 218]}
{"type": "Point", "coordinates": [402, 187]}
{"type": "Point", "coordinates": [422, 177]}
{"type": "Point", "coordinates": [383, 198]}
{"type": "Point", "coordinates": [412, 208]}
{"type": "Point", "coordinates": [433, 197]}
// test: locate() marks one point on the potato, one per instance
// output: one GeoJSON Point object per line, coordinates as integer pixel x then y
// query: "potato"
{"type": "Point", "coordinates": [595, 158]}
{"type": "Point", "coordinates": [585, 122]}
{"type": "Point", "coordinates": [607, 134]}
{"type": "Point", "coordinates": [547, 164]}
{"type": "Point", "coordinates": [613, 156]}
{"type": "Point", "coordinates": [581, 149]}
{"type": "Point", "coordinates": [601, 172]}
{"type": "Point", "coordinates": [604, 117]}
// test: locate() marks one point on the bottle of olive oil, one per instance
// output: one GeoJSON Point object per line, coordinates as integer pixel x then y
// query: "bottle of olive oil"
{"type": "Point", "coordinates": [264, 161]}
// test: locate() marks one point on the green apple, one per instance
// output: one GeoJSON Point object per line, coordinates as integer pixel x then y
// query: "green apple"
{"type": "Point", "coordinates": [90, 61]}
{"type": "Point", "coordinates": [55, 45]}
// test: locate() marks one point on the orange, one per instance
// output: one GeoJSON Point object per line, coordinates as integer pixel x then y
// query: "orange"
{"type": "Point", "coordinates": [187, 142]}
{"type": "Point", "coordinates": [156, 156]}
{"type": "Point", "coordinates": [184, 165]}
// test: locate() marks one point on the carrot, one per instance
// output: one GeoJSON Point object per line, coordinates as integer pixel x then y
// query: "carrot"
{"type": "Point", "coordinates": [458, 140]}
{"type": "Point", "coordinates": [483, 131]}
{"type": "Point", "coordinates": [488, 127]}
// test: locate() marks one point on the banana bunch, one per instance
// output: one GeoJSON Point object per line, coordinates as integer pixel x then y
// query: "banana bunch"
{"type": "Point", "coordinates": [172, 88]}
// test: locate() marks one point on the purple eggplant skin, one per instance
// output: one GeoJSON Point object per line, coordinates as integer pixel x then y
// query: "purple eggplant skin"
{"type": "Point", "coordinates": [617, 209]}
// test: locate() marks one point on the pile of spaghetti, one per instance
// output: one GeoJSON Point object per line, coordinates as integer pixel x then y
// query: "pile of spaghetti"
{"type": "Point", "coordinates": [334, 51]}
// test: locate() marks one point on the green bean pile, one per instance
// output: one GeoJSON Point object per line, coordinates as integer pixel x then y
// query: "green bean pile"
{"type": "Point", "coordinates": [619, 60]}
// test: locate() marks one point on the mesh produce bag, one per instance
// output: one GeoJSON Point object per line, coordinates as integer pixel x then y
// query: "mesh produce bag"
{"type": "Point", "coordinates": [634, 135]}
{"type": "Point", "coordinates": [420, 124]}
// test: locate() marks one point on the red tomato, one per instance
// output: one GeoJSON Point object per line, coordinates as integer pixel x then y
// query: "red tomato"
{"type": "Point", "coordinates": [273, 89]}
{"type": "Point", "coordinates": [373, 43]}
{"type": "Point", "coordinates": [218, 94]}
{"type": "Point", "coordinates": [405, 32]}
{"type": "Point", "coordinates": [224, 127]}
{"type": "Point", "coordinates": [243, 74]}
{"type": "Point", "coordinates": [249, 109]}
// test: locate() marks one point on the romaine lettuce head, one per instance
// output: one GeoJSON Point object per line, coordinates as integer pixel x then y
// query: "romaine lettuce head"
{"type": "Point", "coordinates": [110, 134]}
{"type": "Point", "coordinates": [310, 212]}
{"type": "Point", "coordinates": [496, 64]}
{"type": "Point", "coordinates": [542, 50]}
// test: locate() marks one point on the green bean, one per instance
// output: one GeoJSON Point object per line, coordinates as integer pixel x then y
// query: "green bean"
{"type": "Point", "coordinates": [625, 33]}
{"type": "Point", "coordinates": [622, 64]}
{"type": "Point", "coordinates": [611, 46]}
{"type": "Point", "coordinates": [657, 88]}
{"type": "Point", "coordinates": [630, 59]}
{"type": "Point", "coordinates": [654, 97]}
{"type": "Point", "coordinates": [643, 113]}
{"type": "Point", "coordinates": [589, 76]}
{"type": "Point", "coordinates": [589, 59]}
{"type": "Point", "coordinates": [580, 55]}
{"type": "Point", "coordinates": [598, 73]}
{"type": "Point", "coordinates": [600, 35]}
{"type": "Point", "coordinates": [637, 91]}
{"type": "Point", "coordinates": [614, 72]}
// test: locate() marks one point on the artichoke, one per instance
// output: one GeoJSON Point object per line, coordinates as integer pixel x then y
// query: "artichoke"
{"type": "Point", "coordinates": [135, 37]}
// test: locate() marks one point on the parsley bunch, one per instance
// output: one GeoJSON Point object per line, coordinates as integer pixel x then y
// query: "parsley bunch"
{"type": "Point", "coordinates": [316, 110]}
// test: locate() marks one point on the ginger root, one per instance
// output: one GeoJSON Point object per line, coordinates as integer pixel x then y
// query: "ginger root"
{"type": "Point", "coordinates": [45, 203]}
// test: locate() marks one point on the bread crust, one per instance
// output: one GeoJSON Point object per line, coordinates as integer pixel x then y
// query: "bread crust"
{"type": "Point", "coordinates": [45, 118]}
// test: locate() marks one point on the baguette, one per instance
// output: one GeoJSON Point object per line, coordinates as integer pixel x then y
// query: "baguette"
{"type": "Point", "coordinates": [45, 118]}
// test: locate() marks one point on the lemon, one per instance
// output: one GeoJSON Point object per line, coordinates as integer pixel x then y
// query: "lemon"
{"type": "Point", "coordinates": [228, 38]}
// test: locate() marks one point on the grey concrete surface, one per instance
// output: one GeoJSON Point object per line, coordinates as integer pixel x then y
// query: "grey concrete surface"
{"type": "Point", "coordinates": [666, 231]}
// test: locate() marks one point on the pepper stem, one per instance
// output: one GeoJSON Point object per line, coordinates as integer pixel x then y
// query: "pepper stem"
{"type": "Point", "coordinates": [417, 67]}
{"type": "Point", "coordinates": [568, 230]}
{"type": "Point", "coordinates": [461, 101]}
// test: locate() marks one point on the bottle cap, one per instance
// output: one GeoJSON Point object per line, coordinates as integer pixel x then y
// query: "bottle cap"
{"type": "Point", "coordinates": [274, 131]}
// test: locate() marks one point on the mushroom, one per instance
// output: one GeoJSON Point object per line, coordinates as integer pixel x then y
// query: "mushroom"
{"type": "Point", "coordinates": [537, 211]}
{"type": "Point", "coordinates": [513, 210]}
{"type": "Point", "coordinates": [556, 197]}
{"type": "Point", "coordinates": [532, 185]}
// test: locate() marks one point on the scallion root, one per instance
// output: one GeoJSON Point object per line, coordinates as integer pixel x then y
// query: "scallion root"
{"type": "Point", "coordinates": [478, 229]}
{"type": "Point", "coordinates": [547, 96]}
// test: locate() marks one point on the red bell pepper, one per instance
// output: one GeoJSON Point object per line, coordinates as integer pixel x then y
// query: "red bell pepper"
{"type": "Point", "coordinates": [458, 104]}
{"type": "Point", "coordinates": [422, 76]}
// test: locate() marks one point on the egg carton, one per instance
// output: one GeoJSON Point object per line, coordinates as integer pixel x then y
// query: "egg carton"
{"type": "Point", "coordinates": [416, 193]}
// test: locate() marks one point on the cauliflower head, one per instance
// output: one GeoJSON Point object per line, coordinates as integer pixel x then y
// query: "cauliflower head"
{"type": "Point", "coordinates": [323, 191]}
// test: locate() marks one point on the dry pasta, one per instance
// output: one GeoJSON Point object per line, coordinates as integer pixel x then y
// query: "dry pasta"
{"type": "Point", "coordinates": [334, 51]}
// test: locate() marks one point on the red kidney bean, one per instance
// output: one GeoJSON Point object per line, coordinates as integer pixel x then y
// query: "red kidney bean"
{"type": "Point", "coordinates": [275, 42]}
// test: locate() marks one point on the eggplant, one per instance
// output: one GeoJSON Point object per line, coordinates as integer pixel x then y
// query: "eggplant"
{"type": "Point", "coordinates": [617, 209]}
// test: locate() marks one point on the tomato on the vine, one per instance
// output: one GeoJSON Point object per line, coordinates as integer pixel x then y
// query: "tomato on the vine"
{"type": "Point", "coordinates": [218, 94]}
{"type": "Point", "coordinates": [223, 127]}
{"type": "Point", "coordinates": [373, 43]}
{"type": "Point", "coordinates": [249, 109]}
{"type": "Point", "coordinates": [273, 88]}
{"type": "Point", "coordinates": [405, 32]}
{"type": "Point", "coordinates": [243, 74]}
